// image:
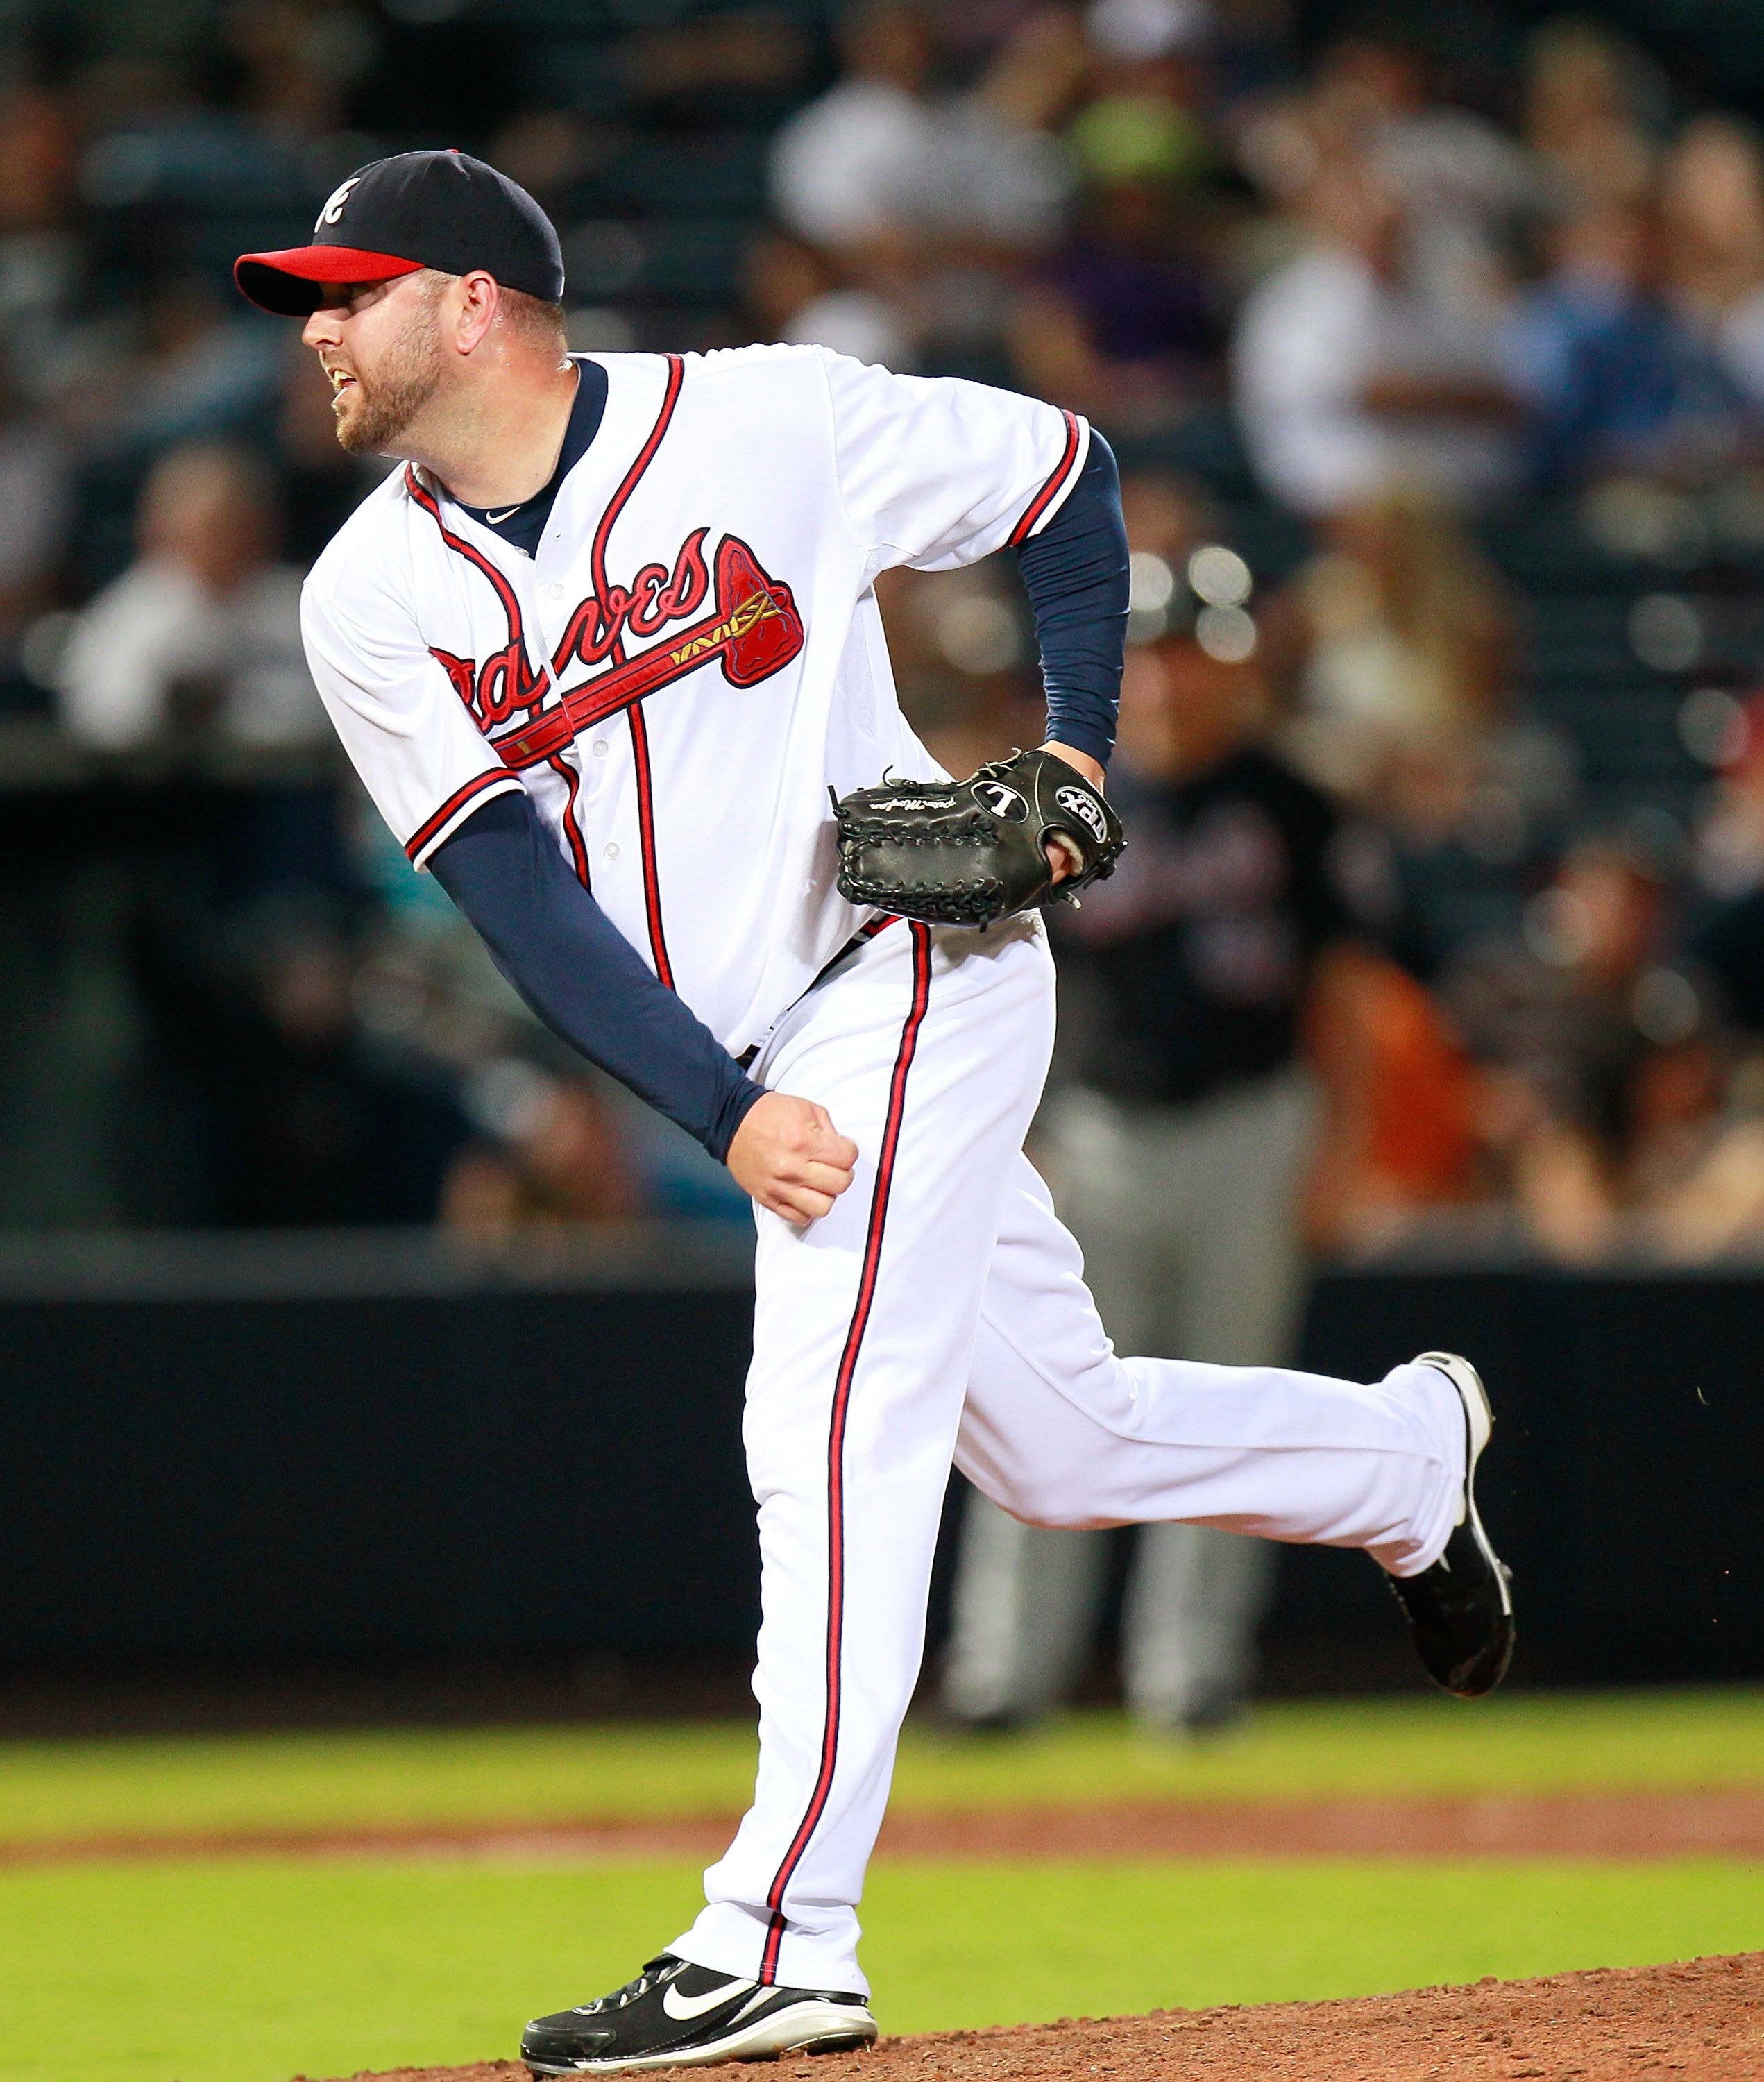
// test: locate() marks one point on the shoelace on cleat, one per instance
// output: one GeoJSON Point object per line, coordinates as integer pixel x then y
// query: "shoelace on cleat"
{"type": "Point", "coordinates": [654, 1972]}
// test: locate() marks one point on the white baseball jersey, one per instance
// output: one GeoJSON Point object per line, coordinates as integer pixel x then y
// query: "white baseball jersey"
{"type": "Point", "coordinates": [694, 655]}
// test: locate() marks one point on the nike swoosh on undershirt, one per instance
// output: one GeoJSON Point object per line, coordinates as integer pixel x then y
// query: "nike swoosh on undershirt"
{"type": "Point", "coordinates": [496, 520]}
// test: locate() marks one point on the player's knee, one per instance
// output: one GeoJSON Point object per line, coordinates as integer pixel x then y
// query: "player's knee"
{"type": "Point", "coordinates": [1054, 1515]}
{"type": "Point", "coordinates": [1038, 1499]}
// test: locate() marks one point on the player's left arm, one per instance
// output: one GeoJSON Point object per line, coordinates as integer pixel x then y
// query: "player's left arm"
{"type": "Point", "coordinates": [1075, 571]}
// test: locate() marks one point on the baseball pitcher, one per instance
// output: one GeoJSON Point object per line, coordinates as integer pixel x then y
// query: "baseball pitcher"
{"type": "Point", "coordinates": [606, 653]}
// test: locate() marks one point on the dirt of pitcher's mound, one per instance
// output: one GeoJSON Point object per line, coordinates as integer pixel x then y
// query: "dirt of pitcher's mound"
{"type": "Point", "coordinates": [1701, 2021]}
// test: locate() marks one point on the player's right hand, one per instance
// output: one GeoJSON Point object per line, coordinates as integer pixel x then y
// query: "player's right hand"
{"type": "Point", "coordinates": [789, 1156]}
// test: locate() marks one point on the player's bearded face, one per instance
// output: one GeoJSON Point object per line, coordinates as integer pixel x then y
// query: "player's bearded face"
{"type": "Point", "coordinates": [389, 383]}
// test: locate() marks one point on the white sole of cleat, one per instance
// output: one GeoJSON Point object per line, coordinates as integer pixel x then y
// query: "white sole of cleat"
{"type": "Point", "coordinates": [809, 2027]}
{"type": "Point", "coordinates": [1478, 1423]}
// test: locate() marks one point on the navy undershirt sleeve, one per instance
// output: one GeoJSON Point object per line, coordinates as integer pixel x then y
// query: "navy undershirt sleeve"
{"type": "Point", "coordinates": [1075, 573]}
{"type": "Point", "coordinates": [583, 977]}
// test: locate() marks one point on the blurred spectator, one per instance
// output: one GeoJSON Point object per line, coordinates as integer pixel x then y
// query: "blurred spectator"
{"type": "Point", "coordinates": [547, 151]}
{"type": "Point", "coordinates": [1728, 856]}
{"type": "Point", "coordinates": [1712, 219]}
{"type": "Point", "coordinates": [1144, 120]}
{"type": "Point", "coordinates": [299, 59]}
{"type": "Point", "coordinates": [1463, 188]}
{"type": "Point", "coordinates": [1602, 1069]}
{"type": "Point", "coordinates": [794, 292]}
{"type": "Point", "coordinates": [1399, 1139]}
{"type": "Point", "coordinates": [40, 262]}
{"type": "Point", "coordinates": [1167, 517]}
{"type": "Point", "coordinates": [1709, 1197]}
{"type": "Point", "coordinates": [556, 1159]}
{"type": "Point", "coordinates": [1618, 356]}
{"type": "Point", "coordinates": [202, 634]}
{"type": "Point", "coordinates": [901, 183]}
{"type": "Point", "coordinates": [741, 63]}
{"type": "Point", "coordinates": [1594, 356]}
{"type": "Point", "coordinates": [1585, 93]}
{"type": "Point", "coordinates": [883, 157]}
{"type": "Point", "coordinates": [1643, 349]}
{"type": "Point", "coordinates": [185, 368]}
{"type": "Point", "coordinates": [296, 1119]}
{"type": "Point", "coordinates": [1123, 324]}
{"type": "Point", "coordinates": [36, 502]}
{"type": "Point", "coordinates": [1398, 643]}
{"type": "Point", "coordinates": [1177, 1154]}
{"type": "Point", "coordinates": [1352, 376]}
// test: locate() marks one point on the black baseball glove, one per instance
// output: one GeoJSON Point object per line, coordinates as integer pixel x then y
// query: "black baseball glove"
{"type": "Point", "coordinates": [963, 853]}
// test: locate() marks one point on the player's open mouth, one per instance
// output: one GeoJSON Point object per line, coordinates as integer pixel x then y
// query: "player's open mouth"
{"type": "Point", "coordinates": [340, 382]}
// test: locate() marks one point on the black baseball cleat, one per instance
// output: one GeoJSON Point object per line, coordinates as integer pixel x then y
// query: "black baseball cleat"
{"type": "Point", "coordinates": [677, 2015]}
{"type": "Point", "coordinates": [1460, 1610]}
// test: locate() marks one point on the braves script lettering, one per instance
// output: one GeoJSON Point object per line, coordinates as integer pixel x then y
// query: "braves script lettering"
{"type": "Point", "coordinates": [753, 628]}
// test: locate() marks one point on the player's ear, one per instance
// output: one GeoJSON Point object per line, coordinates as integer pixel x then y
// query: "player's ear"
{"type": "Point", "coordinates": [475, 299]}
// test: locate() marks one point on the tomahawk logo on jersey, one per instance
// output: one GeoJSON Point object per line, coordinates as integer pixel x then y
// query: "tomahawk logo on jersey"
{"type": "Point", "coordinates": [693, 655]}
{"type": "Point", "coordinates": [752, 629]}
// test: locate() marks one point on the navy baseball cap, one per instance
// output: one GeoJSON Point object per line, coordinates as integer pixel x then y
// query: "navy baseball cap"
{"type": "Point", "coordinates": [444, 210]}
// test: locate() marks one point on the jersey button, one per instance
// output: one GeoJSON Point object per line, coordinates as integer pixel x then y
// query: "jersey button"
{"type": "Point", "coordinates": [556, 591]}
{"type": "Point", "coordinates": [599, 748]}
{"type": "Point", "coordinates": [613, 850]}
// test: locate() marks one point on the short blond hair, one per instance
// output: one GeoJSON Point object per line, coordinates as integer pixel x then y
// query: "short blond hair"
{"type": "Point", "coordinates": [534, 318]}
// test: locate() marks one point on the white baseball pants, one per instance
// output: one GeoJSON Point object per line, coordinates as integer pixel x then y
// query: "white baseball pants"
{"type": "Point", "coordinates": [939, 1311]}
{"type": "Point", "coordinates": [1187, 1217]}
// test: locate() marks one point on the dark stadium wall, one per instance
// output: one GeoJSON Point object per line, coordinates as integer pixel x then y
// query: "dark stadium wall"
{"type": "Point", "coordinates": [521, 1470]}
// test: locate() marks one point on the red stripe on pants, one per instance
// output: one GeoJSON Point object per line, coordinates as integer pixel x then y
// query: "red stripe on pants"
{"type": "Point", "coordinates": [835, 1446]}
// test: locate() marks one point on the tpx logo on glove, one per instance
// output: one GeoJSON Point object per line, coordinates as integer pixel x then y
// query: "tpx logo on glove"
{"type": "Point", "coordinates": [1001, 801]}
{"type": "Point", "coordinates": [1085, 808]}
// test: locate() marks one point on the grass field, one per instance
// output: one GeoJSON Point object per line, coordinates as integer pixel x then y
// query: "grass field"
{"type": "Point", "coordinates": [256, 1970]}
{"type": "Point", "coordinates": [259, 1970]}
{"type": "Point", "coordinates": [1298, 1749]}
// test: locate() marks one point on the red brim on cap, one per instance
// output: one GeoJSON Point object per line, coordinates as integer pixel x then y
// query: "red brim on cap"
{"type": "Point", "coordinates": [287, 282]}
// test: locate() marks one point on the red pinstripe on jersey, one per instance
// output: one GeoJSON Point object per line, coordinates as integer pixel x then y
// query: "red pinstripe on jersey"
{"type": "Point", "coordinates": [572, 831]}
{"type": "Point", "coordinates": [677, 371]}
{"type": "Point", "coordinates": [836, 1443]}
{"type": "Point", "coordinates": [1051, 491]}
{"type": "Point", "coordinates": [431, 505]}
{"type": "Point", "coordinates": [646, 787]}
{"type": "Point", "coordinates": [645, 837]}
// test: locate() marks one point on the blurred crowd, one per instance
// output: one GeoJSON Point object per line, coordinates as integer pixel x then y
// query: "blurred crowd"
{"type": "Point", "coordinates": [1432, 346]}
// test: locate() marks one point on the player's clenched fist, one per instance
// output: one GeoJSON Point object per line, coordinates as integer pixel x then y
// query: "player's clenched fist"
{"type": "Point", "coordinates": [789, 1156]}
